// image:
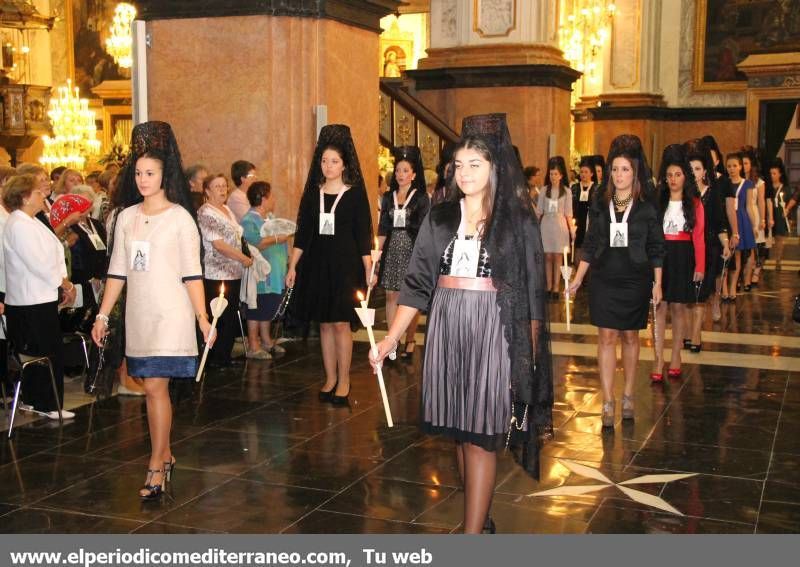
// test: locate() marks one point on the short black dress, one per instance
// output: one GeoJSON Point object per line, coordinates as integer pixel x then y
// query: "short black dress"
{"type": "Point", "coordinates": [331, 269]}
{"type": "Point", "coordinates": [621, 284]}
{"type": "Point", "coordinates": [580, 211]}
{"type": "Point", "coordinates": [619, 291]}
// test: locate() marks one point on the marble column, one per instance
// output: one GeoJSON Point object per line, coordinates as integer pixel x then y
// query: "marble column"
{"type": "Point", "coordinates": [630, 98]}
{"type": "Point", "coordinates": [500, 56]}
{"type": "Point", "coordinates": [243, 82]}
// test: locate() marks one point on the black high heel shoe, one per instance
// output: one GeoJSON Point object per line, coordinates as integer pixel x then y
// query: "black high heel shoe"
{"type": "Point", "coordinates": [327, 396]}
{"type": "Point", "coordinates": [169, 468]}
{"type": "Point", "coordinates": [488, 526]}
{"type": "Point", "coordinates": [153, 490]}
{"type": "Point", "coordinates": [340, 400]}
{"type": "Point", "coordinates": [409, 354]}
{"type": "Point", "coordinates": [696, 347]}
{"type": "Point", "coordinates": [687, 344]}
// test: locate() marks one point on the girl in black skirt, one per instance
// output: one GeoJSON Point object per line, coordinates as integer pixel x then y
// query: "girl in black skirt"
{"type": "Point", "coordinates": [582, 197]}
{"type": "Point", "coordinates": [683, 221]}
{"type": "Point", "coordinates": [478, 269]}
{"type": "Point", "coordinates": [624, 246]}
{"type": "Point", "coordinates": [780, 192]}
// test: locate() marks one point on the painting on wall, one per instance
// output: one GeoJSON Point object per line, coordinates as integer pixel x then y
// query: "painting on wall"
{"type": "Point", "coordinates": [727, 31]}
{"type": "Point", "coordinates": [89, 63]}
{"type": "Point", "coordinates": [397, 48]}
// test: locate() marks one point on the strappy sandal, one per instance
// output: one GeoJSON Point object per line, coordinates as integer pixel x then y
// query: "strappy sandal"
{"type": "Point", "coordinates": [150, 490]}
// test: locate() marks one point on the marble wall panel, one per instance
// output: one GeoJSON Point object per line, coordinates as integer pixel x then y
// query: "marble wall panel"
{"type": "Point", "coordinates": [534, 113]}
{"type": "Point", "coordinates": [246, 88]}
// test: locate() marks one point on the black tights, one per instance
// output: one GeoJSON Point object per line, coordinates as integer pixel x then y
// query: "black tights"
{"type": "Point", "coordinates": [478, 470]}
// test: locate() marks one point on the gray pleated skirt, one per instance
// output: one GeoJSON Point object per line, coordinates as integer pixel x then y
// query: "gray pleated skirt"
{"type": "Point", "coordinates": [466, 387]}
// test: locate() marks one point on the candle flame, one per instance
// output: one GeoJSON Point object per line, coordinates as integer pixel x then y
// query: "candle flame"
{"type": "Point", "coordinates": [376, 243]}
{"type": "Point", "coordinates": [360, 295]}
{"type": "Point", "coordinates": [222, 289]}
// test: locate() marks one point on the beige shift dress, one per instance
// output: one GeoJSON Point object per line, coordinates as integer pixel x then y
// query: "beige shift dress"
{"type": "Point", "coordinates": [156, 256]}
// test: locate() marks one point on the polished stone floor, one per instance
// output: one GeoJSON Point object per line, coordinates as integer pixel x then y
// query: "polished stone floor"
{"type": "Point", "coordinates": [257, 453]}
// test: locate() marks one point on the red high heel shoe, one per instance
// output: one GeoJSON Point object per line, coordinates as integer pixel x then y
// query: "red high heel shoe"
{"type": "Point", "coordinates": [674, 372]}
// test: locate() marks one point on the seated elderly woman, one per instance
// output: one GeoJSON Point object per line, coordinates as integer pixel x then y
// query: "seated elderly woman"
{"type": "Point", "coordinates": [87, 241]}
{"type": "Point", "coordinates": [36, 281]}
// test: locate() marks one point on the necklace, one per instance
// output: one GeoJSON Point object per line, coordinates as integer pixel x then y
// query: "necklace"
{"type": "Point", "coordinates": [621, 203]}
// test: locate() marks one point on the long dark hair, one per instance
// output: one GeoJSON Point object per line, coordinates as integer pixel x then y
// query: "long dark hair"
{"type": "Point", "coordinates": [711, 144]}
{"type": "Point", "coordinates": [630, 147]}
{"type": "Point", "coordinates": [674, 155]}
{"type": "Point", "coordinates": [173, 182]}
{"type": "Point", "coordinates": [558, 163]}
{"type": "Point", "coordinates": [454, 193]}
{"type": "Point", "coordinates": [751, 154]}
{"type": "Point", "coordinates": [777, 163]}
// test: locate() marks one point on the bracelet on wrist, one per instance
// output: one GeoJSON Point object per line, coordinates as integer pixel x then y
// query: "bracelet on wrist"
{"type": "Point", "coordinates": [101, 317]}
{"type": "Point", "coordinates": [68, 289]}
{"type": "Point", "coordinates": [200, 316]}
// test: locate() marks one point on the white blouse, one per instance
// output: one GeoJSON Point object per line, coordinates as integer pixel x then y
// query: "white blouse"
{"type": "Point", "coordinates": [216, 225]}
{"type": "Point", "coordinates": [34, 261]}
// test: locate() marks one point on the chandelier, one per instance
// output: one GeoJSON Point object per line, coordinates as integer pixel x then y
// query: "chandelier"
{"type": "Point", "coordinates": [119, 43]}
{"type": "Point", "coordinates": [74, 130]}
{"type": "Point", "coordinates": [584, 32]}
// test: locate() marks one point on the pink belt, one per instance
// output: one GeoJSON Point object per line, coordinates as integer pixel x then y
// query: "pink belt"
{"type": "Point", "coordinates": [474, 284]}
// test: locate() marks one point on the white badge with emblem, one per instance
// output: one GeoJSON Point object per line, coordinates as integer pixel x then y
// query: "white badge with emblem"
{"type": "Point", "coordinates": [466, 253]}
{"type": "Point", "coordinates": [618, 237]}
{"type": "Point", "coordinates": [327, 221]}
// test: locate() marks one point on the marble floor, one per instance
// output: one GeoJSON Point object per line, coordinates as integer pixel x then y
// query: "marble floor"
{"type": "Point", "coordinates": [257, 453]}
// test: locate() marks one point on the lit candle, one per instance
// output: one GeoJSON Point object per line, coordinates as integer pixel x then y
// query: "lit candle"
{"type": "Point", "coordinates": [375, 255]}
{"type": "Point", "coordinates": [367, 317]}
{"type": "Point", "coordinates": [218, 305]}
{"type": "Point", "coordinates": [566, 273]}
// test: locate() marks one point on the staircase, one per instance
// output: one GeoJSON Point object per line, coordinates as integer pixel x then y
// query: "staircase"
{"type": "Point", "coordinates": [405, 121]}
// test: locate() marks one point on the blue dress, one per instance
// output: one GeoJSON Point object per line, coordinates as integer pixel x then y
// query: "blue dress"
{"type": "Point", "coordinates": [747, 240]}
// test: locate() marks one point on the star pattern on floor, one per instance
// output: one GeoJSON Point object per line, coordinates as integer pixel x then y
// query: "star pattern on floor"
{"type": "Point", "coordinates": [633, 494]}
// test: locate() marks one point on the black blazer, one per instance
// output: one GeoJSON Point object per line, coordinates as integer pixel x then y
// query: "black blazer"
{"type": "Point", "coordinates": [416, 209]}
{"type": "Point", "coordinates": [435, 234]}
{"type": "Point", "coordinates": [645, 233]}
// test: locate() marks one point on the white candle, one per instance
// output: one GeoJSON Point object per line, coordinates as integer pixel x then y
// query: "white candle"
{"type": "Point", "coordinates": [367, 317]}
{"type": "Point", "coordinates": [218, 305]}
{"type": "Point", "coordinates": [375, 255]}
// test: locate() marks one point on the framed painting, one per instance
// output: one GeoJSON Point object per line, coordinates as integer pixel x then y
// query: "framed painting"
{"type": "Point", "coordinates": [88, 22]}
{"type": "Point", "coordinates": [727, 31]}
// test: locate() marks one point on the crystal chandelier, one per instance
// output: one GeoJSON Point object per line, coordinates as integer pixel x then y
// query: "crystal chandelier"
{"type": "Point", "coordinates": [120, 43]}
{"type": "Point", "coordinates": [584, 31]}
{"type": "Point", "coordinates": [74, 130]}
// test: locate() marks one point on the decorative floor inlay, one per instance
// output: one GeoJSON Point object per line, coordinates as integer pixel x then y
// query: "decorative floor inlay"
{"type": "Point", "coordinates": [635, 495]}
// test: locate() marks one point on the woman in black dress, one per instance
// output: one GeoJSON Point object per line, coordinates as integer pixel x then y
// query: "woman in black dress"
{"type": "Point", "coordinates": [780, 192]}
{"type": "Point", "coordinates": [487, 370]}
{"type": "Point", "coordinates": [582, 196]}
{"type": "Point", "coordinates": [717, 242]}
{"type": "Point", "coordinates": [330, 260]}
{"type": "Point", "coordinates": [683, 221]}
{"type": "Point", "coordinates": [624, 247]}
{"type": "Point", "coordinates": [402, 209]}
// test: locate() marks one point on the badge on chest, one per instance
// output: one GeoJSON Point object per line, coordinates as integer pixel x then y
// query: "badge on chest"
{"type": "Point", "coordinates": [327, 224]}
{"type": "Point", "coordinates": [399, 220]}
{"type": "Point", "coordinates": [97, 242]}
{"type": "Point", "coordinates": [466, 254]}
{"type": "Point", "coordinates": [140, 256]}
{"type": "Point", "coordinates": [618, 231]}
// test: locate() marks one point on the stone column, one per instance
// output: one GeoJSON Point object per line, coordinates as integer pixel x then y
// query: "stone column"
{"type": "Point", "coordinates": [242, 82]}
{"type": "Point", "coordinates": [630, 99]}
{"type": "Point", "coordinates": [500, 56]}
